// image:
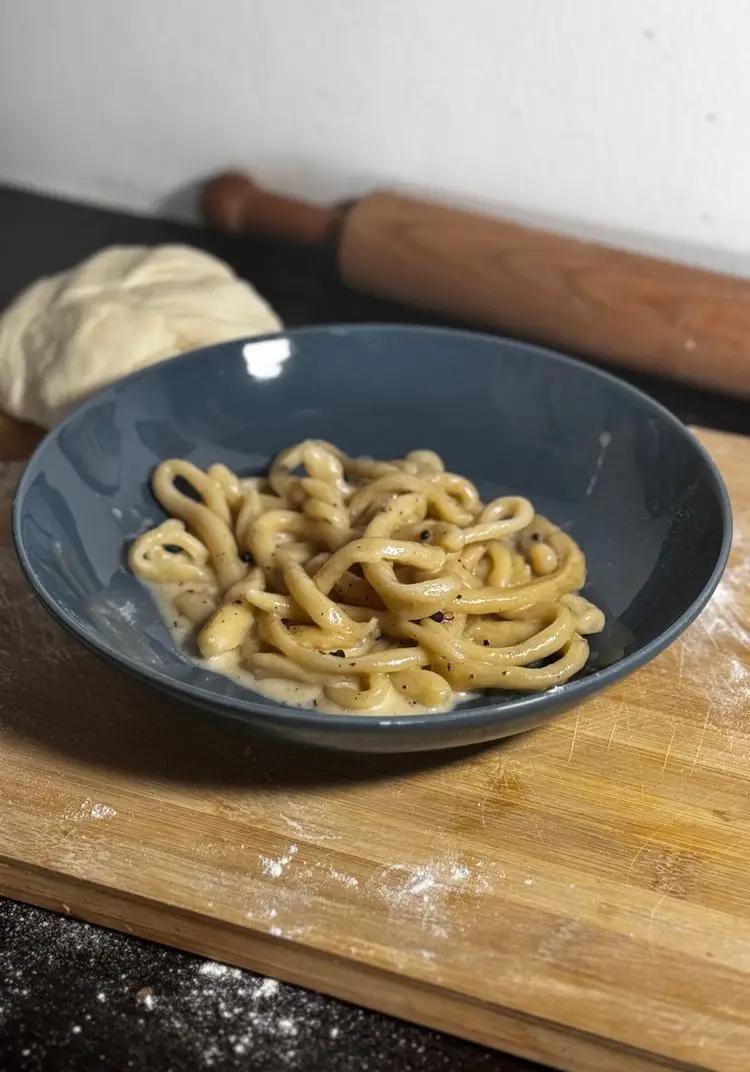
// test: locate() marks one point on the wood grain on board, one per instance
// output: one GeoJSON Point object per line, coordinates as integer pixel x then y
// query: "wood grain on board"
{"type": "Point", "coordinates": [578, 895]}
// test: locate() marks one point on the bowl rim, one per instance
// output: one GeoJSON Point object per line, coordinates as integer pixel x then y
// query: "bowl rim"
{"type": "Point", "coordinates": [520, 707]}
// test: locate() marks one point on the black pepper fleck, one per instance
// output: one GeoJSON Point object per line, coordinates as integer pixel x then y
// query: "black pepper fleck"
{"type": "Point", "coordinates": [535, 537]}
{"type": "Point", "coordinates": [459, 596]}
{"type": "Point", "coordinates": [424, 534]}
{"type": "Point", "coordinates": [339, 653]}
{"type": "Point", "coordinates": [246, 556]}
{"type": "Point", "coordinates": [237, 602]}
{"type": "Point", "coordinates": [438, 616]}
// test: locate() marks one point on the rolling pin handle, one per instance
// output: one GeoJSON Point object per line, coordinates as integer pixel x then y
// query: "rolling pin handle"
{"type": "Point", "coordinates": [232, 202]}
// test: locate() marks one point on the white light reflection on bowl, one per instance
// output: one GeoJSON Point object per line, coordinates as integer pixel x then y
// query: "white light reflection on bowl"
{"type": "Point", "coordinates": [264, 360]}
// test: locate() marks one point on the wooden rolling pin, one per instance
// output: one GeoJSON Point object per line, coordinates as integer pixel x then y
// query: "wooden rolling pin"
{"type": "Point", "coordinates": [618, 307]}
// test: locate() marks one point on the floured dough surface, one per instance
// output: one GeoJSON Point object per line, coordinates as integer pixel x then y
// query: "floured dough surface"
{"type": "Point", "coordinates": [125, 308]}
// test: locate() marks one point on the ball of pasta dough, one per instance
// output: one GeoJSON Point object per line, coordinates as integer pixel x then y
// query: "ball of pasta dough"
{"type": "Point", "coordinates": [121, 310]}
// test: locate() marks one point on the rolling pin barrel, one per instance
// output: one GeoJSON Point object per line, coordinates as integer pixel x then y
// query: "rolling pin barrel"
{"type": "Point", "coordinates": [617, 307]}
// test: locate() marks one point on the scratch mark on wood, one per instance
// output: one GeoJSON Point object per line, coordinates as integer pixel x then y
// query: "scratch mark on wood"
{"type": "Point", "coordinates": [680, 663]}
{"type": "Point", "coordinates": [669, 749]}
{"type": "Point", "coordinates": [642, 848]}
{"type": "Point", "coordinates": [710, 635]}
{"type": "Point", "coordinates": [573, 739]}
{"type": "Point", "coordinates": [652, 917]}
{"type": "Point", "coordinates": [615, 724]}
{"type": "Point", "coordinates": [709, 709]}
{"type": "Point", "coordinates": [653, 839]}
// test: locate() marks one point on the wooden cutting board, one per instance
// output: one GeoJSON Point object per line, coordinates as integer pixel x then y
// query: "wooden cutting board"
{"type": "Point", "coordinates": [579, 895]}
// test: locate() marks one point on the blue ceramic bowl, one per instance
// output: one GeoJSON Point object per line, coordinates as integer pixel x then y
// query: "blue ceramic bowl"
{"type": "Point", "coordinates": [617, 471]}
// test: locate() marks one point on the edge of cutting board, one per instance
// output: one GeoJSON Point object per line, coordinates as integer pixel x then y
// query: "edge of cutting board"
{"type": "Point", "coordinates": [506, 1029]}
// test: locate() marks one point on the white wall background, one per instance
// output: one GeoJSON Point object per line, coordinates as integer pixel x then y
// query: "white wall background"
{"type": "Point", "coordinates": [627, 119]}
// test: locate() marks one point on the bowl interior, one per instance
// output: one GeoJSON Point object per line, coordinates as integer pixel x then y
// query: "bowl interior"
{"type": "Point", "coordinates": [616, 471]}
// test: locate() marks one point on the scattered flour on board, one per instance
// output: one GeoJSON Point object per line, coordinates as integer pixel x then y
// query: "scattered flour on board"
{"type": "Point", "coordinates": [345, 880]}
{"type": "Point", "coordinates": [284, 912]}
{"type": "Point", "coordinates": [716, 648]}
{"type": "Point", "coordinates": [424, 894]}
{"type": "Point", "coordinates": [276, 867]}
{"type": "Point", "coordinates": [424, 886]}
{"type": "Point", "coordinates": [88, 809]}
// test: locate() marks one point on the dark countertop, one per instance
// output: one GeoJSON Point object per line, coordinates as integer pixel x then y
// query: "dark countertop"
{"type": "Point", "coordinates": [76, 996]}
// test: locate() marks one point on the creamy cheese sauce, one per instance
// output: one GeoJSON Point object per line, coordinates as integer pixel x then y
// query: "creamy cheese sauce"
{"type": "Point", "coordinates": [281, 690]}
